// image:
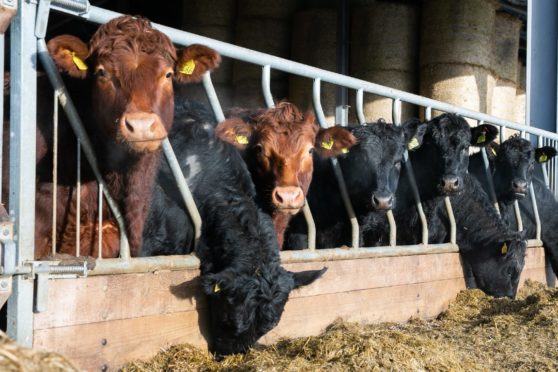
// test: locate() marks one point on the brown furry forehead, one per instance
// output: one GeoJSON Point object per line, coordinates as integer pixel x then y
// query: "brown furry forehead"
{"type": "Point", "coordinates": [132, 35]}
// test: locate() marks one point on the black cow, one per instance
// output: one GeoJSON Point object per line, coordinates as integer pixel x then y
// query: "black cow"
{"type": "Point", "coordinates": [371, 171]}
{"type": "Point", "coordinates": [513, 166]}
{"type": "Point", "coordinates": [494, 259]}
{"type": "Point", "coordinates": [240, 265]}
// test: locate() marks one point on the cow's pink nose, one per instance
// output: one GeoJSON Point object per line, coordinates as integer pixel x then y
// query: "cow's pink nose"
{"type": "Point", "coordinates": [289, 197]}
{"type": "Point", "coordinates": [140, 126]}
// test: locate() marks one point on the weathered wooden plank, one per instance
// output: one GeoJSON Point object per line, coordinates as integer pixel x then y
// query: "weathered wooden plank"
{"type": "Point", "coordinates": [96, 346]}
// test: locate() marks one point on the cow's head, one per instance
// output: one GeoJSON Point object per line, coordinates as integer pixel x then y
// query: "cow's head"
{"type": "Point", "coordinates": [372, 167]}
{"type": "Point", "coordinates": [513, 163]}
{"type": "Point", "coordinates": [443, 158]}
{"type": "Point", "coordinates": [498, 266]}
{"type": "Point", "coordinates": [278, 147]}
{"type": "Point", "coordinates": [131, 67]}
{"type": "Point", "coordinates": [245, 306]}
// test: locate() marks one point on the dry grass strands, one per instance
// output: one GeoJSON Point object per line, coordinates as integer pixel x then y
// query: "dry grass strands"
{"type": "Point", "coordinates": [476, 333]}
{"type": "Point", "coordinates": [21, 359]}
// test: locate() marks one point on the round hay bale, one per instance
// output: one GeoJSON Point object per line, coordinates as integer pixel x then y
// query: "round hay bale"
{"type": "Point", "coordinates": [214, 12]}
{"type": "Point", "coordinates": [386, 58]}
{"type": "Point", "coordinates": [461, 85]}
{"type": "Point", "coordinates": [506, 46]}
{"type": "Point", "coordinates": [276, 9]}
{"type": "Point", "coordinates": [16, 358]}
{"type": "Point", "coordinates": [224, 73]}
{"type": "Point", "coordinates": [520, 97]}
{"type": "Point", "coordinates": [278, 45]}
{"type": "Point", "coordinates": [314, 43]}
{"type": "Point", "coordinates": [503, 100]}
{"type": "Point", "coordinates": [457, 31]}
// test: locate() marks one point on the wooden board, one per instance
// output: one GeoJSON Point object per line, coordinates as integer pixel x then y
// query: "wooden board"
{"type": "Point", "coordinates": [137, 314]}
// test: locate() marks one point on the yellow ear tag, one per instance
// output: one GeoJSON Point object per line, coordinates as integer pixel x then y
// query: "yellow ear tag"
{"type": "Point", "coordinates": [481, 139]}
{"type": "Point", "coordinates": [328, 145]}
{"type": "Point", "coordinates": [413, 144]}
{"type": "Point", "coordinates": [216, 288]}
{"type": "Point", "coordinates": [188, 67]}
{"type": "Point", "coordinates": [345, 150]}
{"type": "Point", "coordinates": [504, 248]}
{"type": "Point", "coordinates": [78, 62]}
{"type": "Point", "coordinates": [543, 158]}
{"type": "Point", "coordinates": [493, 150]}
{"type": "Point", "coordinates": [243, 140]}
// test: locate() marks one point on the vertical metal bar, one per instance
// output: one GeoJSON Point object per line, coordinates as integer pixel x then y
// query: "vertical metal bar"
{"type": "Point", "coordinates": [428, 113]}
{"type": "Point", "coordinates": [543, 166]}
{"type": "Point", "coordinates": [336, 168]}
{"type": "Point", "coordinates": [183, 188]}
{"type": "Point", "coordinates": [2, 46]}
{"type": "Point", "coordinates": [78, 201]}
{"type": "Point", "coordinates": [266, 86]}
{"type": "Point", "coordinates": [535, 212]}
{"type": "Point", "coordinates": [23, 98]}
{"type": "Point", "coordinates": [488, 175]}
{"type": "Point", "coordinates": [54, 171]}
{"type": "Point", "coordinates": [451, 217]}
{"type": "Point", "coordinates": [341, 92]}
{"type": "Point", "coordinates": [518, 216]}
{"type": "Point", "coordinates": [100, 234]}
{"type": "Point", "coordinates": [212, 97]}
{"type": "Point", "coordinates": [502, 134]}
{"type": "Point", "coordinates": [360, 106]}
{"type": "Point", "coordinates": [392, 228]}
{"type": "Point", "coordinates": [413, 184]}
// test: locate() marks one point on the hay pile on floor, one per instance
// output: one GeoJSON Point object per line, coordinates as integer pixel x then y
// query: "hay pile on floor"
{"type": "Point", "coordinates": [20, 359]}
{"type": "Point", "coordinates": [476, 333]}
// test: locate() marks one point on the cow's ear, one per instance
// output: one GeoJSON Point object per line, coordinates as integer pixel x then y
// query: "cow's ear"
{"type": "Point", "coordinates": [194, 61]}
{"type": "Point", "coordinates": [69, 54]}
{"type": "Point", "coordinates": [334, 141]}
{"type": "Point", "coordinates": [236, 132]}
{"type": "Point", "coordinates": [483, 134]}
{"type": "Point", "coordinates": [303, 278]}
{"type": "Point", "coordinates": [492, 150]}
{"type": "Point", "coordinates": [544, 154]}
{"type": "Point", "coordinates": [414, 131]}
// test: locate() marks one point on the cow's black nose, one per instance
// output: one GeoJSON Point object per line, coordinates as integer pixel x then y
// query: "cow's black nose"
{"type": "Point", "coordinates": [519, 186]}
{"type": "Point", "coordinates": [450, 184]}
{"type": "Point", "coordinates": [382, 201]}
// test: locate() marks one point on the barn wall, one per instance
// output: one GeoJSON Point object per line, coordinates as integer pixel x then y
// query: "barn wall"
{"type": "Point", "coordinates": [108, 320]}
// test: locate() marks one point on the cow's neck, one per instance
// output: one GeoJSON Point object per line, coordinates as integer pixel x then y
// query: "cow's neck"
{"type": "Point", "coordinates": [132, 188]}
{"type": "Point", "coordinates": [280, 221]}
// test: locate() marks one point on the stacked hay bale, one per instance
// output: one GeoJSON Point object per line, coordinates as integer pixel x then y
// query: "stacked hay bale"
{"type": "Point", "coordinates": [214, 19]}
{"type": "Point", "coordinates": [505, 55]}
{"type": "Point", "coordinates": [16, 358]}
{"type": "Point", "coordinates": [264, 26]}
{"type": "Point", "coordinates": [314, 43]}
{"type": "Point", "coordinates": [520, 97]}
{"type": "Point", "coordinates": [455, 52]}
{"type": "Point", "coordinates": [384, 50]}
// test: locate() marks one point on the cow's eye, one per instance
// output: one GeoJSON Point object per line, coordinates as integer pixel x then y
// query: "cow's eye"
{"type": "Point", "coordinates": [168, 75]}
{"type": "Point", "coordinates": [311, 150]}
{"type": "Point", "coordinates": [258, 149]}
{"type": "Point", "coordinates": [101, 72]}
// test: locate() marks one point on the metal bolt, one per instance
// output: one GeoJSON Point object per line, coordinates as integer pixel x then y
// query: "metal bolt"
{"type": "Point", "coordinates": [4, 284]}
{"type": "Point", "coordinates": [104, 341]}
{"type": "Point", "coordinates": [6, 232]}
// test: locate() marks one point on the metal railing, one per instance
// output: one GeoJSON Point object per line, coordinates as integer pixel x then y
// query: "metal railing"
{"type": "Point", "coordinates": [268, 62]}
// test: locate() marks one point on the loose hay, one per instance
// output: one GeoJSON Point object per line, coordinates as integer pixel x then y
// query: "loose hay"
{"type": "Point", "coordinates": [476, 333]}
{"type": "Point", "coordinates": [17, 358]}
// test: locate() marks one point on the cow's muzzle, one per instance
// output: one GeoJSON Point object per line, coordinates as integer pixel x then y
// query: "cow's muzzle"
{"type": "Point", "coordinates": [288, 198]}
{"type": "Point", "coordinates": [142, 131]}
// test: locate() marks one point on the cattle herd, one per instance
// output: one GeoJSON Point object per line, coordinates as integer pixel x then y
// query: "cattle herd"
{"type": "Point", "coordinates": [251, 174]}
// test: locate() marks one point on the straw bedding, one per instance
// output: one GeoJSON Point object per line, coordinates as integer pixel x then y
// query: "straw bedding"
{"type": "Point", "coordinates": [21, 359]}
{"type": "Point", "coordinates": [476, 333]}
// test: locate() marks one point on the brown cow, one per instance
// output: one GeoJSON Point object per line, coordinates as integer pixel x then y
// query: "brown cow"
{"type": "Point", "coordinates": [277, 145]}
{"type": "Point", "coordinates": [126, 103]}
